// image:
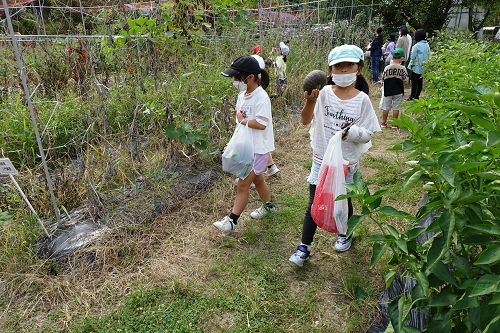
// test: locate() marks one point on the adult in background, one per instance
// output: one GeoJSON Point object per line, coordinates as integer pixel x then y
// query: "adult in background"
{"type": "Point", "coordinates": [403, 42]}
{"type": "Point", "coordinates": [410, 41]}
{"type": "Point", "coordinates": [376, 53]}
{"type": "Point", "coordinates": [420, 53]}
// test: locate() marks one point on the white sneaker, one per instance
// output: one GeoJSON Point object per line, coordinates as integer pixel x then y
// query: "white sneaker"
{"type": "Point", "coordinates": [251, 185]}
{"type": "Point", "coordinates": [272, 170]}
{"type": "Point", "coordinates": [226, 224]}
{"type": "Point", "coordinates": [262, 211]}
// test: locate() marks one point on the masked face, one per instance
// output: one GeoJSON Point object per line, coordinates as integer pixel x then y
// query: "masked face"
{"type": "Point", "coordinates": [240, 86]}
{"type": "Point", "coordinates": [344, 80]}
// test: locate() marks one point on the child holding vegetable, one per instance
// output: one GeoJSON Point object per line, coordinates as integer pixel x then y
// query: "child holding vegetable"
{"type": "Point", "coordinates": [341, 101]}
{"type": "Point", "coordinates": [253, 108]}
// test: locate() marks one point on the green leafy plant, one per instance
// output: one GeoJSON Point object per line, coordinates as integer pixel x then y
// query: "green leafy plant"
{"type": "Point", "coordinates": [454, 144]}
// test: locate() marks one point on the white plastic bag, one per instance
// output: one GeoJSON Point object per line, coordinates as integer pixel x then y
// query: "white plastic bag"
{"type": "Point", "coordinates": [238, 156]}
{"type": "Point", "coordinates": [329, 214]}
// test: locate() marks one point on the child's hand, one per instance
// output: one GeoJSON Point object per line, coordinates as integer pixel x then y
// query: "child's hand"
{"type": "Point", "coordinates": [312, 96]}
{"type": "Point", "coordinates": [240, 115]}
{"type": "Point", "coordinates": [380, 82]}
{"type": "Point", "coordinates": [344, 133]}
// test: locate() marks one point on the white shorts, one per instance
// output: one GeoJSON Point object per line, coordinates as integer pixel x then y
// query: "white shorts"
{"type": "Point", "coordinates": [391, 101]}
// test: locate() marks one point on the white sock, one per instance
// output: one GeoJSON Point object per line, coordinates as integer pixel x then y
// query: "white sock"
{"type": "Point", "coordinates": [308, 246]}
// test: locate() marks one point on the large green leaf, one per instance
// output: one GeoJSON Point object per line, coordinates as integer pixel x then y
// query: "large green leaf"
{"type": "Point", "coordinates": [436, 251]}
{"type": "Point", "coordinates": [442, 272]}
{"type": "Point", "coordinates": [392, 231]}
{"type": "Point", "coordinates": [474, 197]}
{"type": "Point", "coordinates": [353, 223]}
{"type": "Point", "coordinates": [439, 326]}
{"type": "Point", "coordinates": [188, 138]}
{"type": "Point", "coordinates": [415, 232]}
{"type": "Point", "coordinates": [423, 283]}
{"type": "Point", "coordinates": [391, 211]}
{"type": "Point", "coordinates": [489, 175]}
{"type": "Point", "coordinates": [410, 329]}
{"type": "Point", "coordinates": [446, 223]}
{"type": "Point", "coordinates": [411, 181]}
{"type": "Point", "coordinates": [472, 109]}
{"type": "Point", "coordinates": [486, 284]}
{"type": "Point", "coordinates": [490, 255]}
{"type": "Point", "coordinates": [395, 311]}
{"type": "Point", "coordinates": [466, 302]}
{"type": "Point", "coordinates": [489, 229]}
{"type": "Point", "coordinates": [483, 122]}
{"type": "Point", "coordinates": [172, 132]}
{"type": "Point", "coordinates": [389, 276]}
{"type": "Point", "coordinates": [360, 295]}
{"type": "Point", "coordinates": [381, 238]}
{"type": "Point", "coordinates": [187, 126]}
{"type": "Point", "coordinates": [445, 298]}
{"type": "Point", "coordinates": [448, 174]}
{"type": "Point", "coordinates": [461, 264]}
{"type": "Point", "coordinates": [377, 253]}
{"type": "Point", "coordinates": [493, 138]}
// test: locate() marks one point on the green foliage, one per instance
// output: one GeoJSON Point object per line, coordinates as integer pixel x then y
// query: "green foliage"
{"type": "Point", "coordinates": [455, 133]}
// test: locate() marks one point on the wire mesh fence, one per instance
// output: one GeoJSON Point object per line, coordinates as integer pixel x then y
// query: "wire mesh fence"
{"type": "Point", "coordinates": [121, 72]}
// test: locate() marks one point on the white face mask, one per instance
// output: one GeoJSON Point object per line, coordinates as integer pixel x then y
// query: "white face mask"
{"type": "Point", "coordinates": [240, 85]}
{"type": "Point", "coordinates": [344, 80]}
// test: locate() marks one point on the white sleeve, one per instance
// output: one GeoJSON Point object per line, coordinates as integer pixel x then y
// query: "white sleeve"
{"type": "Point", "coordinates": [358, 134]}
{"type": "Point", "coordinates": [263, 112]}
{"type": "Point", "coordinates": [369, 120]}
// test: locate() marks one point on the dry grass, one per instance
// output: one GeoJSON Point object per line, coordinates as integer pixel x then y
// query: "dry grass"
{"type": "Point", "coordinates": [183, 250]}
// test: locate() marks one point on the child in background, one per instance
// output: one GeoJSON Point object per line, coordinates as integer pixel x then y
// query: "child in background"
{"type": "Point", "coordinates": [391, 46]}
{"type": "Point", "coordinates": [281, 64]}
{"type": "Point", "coordinates": [393, 80]}
{"type": "Point", "coordinates": [343, 100]}
{"type": "Point", "coordinates": [253, 108]}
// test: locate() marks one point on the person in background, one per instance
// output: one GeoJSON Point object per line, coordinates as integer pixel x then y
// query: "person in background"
{"type": "Point", "coordinates": [257, 50]}
{"type": "Point", "coordinates": [391, 46]}
{"type": "Point", "coordinates": [271, 167]}
{"type": "Point", "coordinates": [280, 64]}
{"type": "Point", "coordinates": [376, 53]}
{"type": "Point", "coordinates": [342, 100]}
{"type": "Point", "coordinates": [403, 42]}
{"type": "Point", "coordinates": [410, 40]}
{"type": "Point", "coordinates": [253, 108]}
{"type": "Point", "coordinates": [420, 53]}
{"type": "Point", "coordinates": [393, 80]}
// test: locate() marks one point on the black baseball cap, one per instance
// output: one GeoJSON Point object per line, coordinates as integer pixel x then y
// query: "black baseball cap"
{"type": "Point", "coordinates": [401, 27]}
{"type": "Point", "coordinates": [243, 64]}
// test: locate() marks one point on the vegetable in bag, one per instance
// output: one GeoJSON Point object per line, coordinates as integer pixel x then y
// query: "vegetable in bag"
{"type": "Point", "coordinates": [327, 213]}
{"type": "Point", "coordinates": [238, 157]}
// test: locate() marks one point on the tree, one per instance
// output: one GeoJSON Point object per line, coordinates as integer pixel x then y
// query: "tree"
{"type": "Point", "coordinates": [433, 15]}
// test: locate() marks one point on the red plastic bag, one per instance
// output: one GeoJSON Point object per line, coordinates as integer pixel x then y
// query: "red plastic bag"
{"type": "Point", "coordinates": [329, 214]}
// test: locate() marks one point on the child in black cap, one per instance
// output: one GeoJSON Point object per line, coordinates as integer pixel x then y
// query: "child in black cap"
{"type": "Point", "coordinates": [253, 108]}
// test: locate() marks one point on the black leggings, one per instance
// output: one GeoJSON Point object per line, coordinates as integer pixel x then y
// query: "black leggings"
{"type": "Point", "coordinates": [309, 226]}
{"type": "Point", "coordinates": [416, 85]}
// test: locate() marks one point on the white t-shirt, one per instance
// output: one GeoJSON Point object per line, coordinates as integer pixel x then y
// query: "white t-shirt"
{"type": "Point", "coordinates": [329, 113]}
{"type": "Point", "coordinates": [258, 106]}
{"type": "Point", "coordinates": [409, 45]}
{"type": "Point", "coordinates": [280, 68]}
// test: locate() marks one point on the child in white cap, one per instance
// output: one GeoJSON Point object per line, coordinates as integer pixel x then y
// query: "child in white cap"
{"type": "Point", "coordinates": [281, 64]}
{"type": "Point", "coordinates": [341, 101]}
